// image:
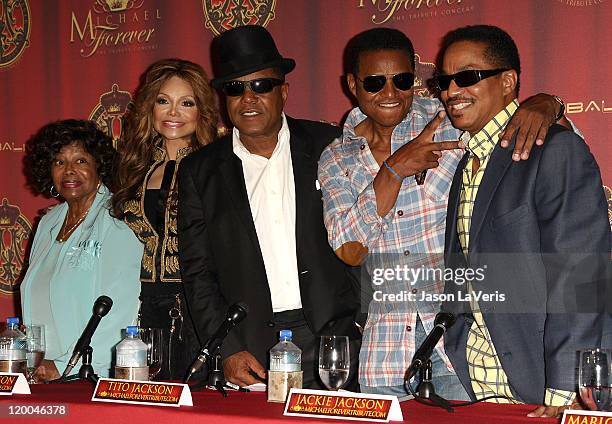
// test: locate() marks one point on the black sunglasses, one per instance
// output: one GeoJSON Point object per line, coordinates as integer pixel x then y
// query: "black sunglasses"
{"type": "Point", "coordinates": [375, 83]}
{"type": "Point", "coordinates": [236, 88]}
{"type": "Point", "coordinates": [466, 78]}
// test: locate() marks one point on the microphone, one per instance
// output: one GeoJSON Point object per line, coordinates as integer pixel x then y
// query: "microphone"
{"type": "Point", "coordinates": [235, 314]}
{"type": "Point", "coordinates": [101, 307]}
{"type": "Point", "coordinates": [420, 177]}
{"type": "Point", "coordinates": [442, 322]}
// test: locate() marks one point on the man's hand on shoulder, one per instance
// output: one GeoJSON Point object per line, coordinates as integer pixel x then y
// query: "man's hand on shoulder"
{"type": "Point", "coordinates": [243, 369]}
{"type": "Point", "coordinates": [530, 123]}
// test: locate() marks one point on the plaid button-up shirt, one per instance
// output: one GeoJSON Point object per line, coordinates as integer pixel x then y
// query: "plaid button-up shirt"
{"type": "Point", "coordinates": [411, 233]}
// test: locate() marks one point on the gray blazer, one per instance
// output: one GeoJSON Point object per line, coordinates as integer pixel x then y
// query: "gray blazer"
{"type": "Point", "coordinates": [541, 235]}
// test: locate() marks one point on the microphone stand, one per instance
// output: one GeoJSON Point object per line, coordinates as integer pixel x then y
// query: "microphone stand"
{"type": "Point", "coordinates": [215, 378]}
{"type": "Point", "coordinates": [86, 372]}
{"type": "Point", "coordinates": [235, 314]}
{"type": "Point", "coordinates": [426, 388]}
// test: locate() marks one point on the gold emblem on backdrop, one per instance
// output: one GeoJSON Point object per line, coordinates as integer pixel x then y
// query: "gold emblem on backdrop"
{"type": "Point", "coordinates": [221, 15]}
{"type": "Point", "coordinates": [580, 3]}
{"type": "Point", "coordinates": [109, 112]}
{"type": "Point", "coordinates": [423, 73]}
{"type": "Point", "coordinates": [14, 30]}
{"type": "Point", "coordinates": [15, 231]}
{"type": "Point", "coordinates": [109, 6]}
{"type": "Point", "coordinates": [588, 106]}
{"type": "Point", "coordinates": [114, 26]}
{"type": "Point", "coordinates": [385, 11]}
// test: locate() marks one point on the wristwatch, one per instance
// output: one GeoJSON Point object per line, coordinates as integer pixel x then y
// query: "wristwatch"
{"type": "Point", "coordinates": [561, 109]}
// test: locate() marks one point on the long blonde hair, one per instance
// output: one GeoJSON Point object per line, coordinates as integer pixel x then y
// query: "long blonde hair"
{"type": "Point", "coordinates": [136, 149]}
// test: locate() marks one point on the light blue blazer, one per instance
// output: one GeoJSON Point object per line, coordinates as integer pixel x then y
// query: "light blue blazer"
{"type": "Point", "coordinates": [102, 257]}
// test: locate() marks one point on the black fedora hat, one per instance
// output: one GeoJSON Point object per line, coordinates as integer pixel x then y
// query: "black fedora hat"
{"type": "Point", "coordinates": [244, 50]}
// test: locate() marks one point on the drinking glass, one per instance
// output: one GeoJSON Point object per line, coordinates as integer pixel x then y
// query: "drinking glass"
{"type": "Point", "coordinates": [594, 379]}
{"type": "Point", "coordinates": [35, 348]}
{"type": "Point", "coordinates": [334, 361]}
{"type": "Point", "coordinates": [154, 339]}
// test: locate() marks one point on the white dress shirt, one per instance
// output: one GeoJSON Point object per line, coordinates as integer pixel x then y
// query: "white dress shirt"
{"type": "Point", "coordinates": [271, 190]}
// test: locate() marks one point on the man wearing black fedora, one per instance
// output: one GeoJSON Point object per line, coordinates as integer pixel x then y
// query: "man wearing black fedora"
{"type": "Point", "coordinates": [251, 220]}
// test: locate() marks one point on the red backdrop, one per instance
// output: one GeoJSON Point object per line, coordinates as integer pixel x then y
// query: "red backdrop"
{"type": "Point", "coordinates": [82, 58]}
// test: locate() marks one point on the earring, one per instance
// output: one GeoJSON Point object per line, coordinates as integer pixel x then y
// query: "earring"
{"type": "Point", "coordinates": [51, 191]}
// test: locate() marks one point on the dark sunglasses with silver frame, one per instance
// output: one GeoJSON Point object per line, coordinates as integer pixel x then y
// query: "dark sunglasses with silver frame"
{"type": "Point", "coordinates": [466, 78]}
{"type": "Point", "coordinates": [236, 88]}
{"type": "Point", "coordinates": [374, 83]}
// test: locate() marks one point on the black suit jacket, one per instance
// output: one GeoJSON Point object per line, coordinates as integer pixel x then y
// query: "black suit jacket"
{"type": "Point", "coordinates": [220, 257]}
{"type": "Point", "coordinates": [537, 227]}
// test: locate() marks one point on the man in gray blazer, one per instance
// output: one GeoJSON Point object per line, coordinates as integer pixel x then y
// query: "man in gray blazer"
{"type": "Point", "coordinates": [537, 232]}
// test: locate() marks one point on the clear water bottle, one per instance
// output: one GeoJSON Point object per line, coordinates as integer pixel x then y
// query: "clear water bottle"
{"type": "Point", "coordinates": [13, 348]}
{"type": "Point", "coordinates": [285, 368]}
{"type": "Point", "coordinates": [132, 357]}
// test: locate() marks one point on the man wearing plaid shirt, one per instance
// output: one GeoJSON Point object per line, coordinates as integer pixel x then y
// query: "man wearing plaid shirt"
{"type": "Point", "coordinates": [528, 224]}
{"type": "Point", "coordinates": [373, 211]}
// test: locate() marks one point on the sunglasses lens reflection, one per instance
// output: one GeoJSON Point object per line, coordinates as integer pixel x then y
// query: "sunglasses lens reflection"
{"type": "Point", "coordinates": [262, 86]}
{"type": "Point", "coordinates": [462, 79]}
{"type": "Point", "coordinates": [403, 81]}
{"type": "Point", "coordinates": [233, 88]}
{"type": "Point", "coordinates": [258, 86]}
{"type": "Point", "coordinates": [466, 78]}
{"type": "Point", "coordinates": [375, 83]}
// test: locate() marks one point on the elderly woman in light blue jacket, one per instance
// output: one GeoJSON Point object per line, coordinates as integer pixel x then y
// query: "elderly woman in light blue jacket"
{"type": "Point", "coordinates": [80, 251]}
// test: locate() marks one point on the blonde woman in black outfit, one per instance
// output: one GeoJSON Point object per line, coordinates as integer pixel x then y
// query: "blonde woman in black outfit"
{"type": "Point", "coordinates": [174, 114]}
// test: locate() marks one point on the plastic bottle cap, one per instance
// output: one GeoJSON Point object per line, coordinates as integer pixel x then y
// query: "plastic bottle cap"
{"type": "Point", "coordinates": [286, 335]}
{"type": "Point", "coordinates": [13, 320]}
{"type": "Point", "coordinates": [131, 330]}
